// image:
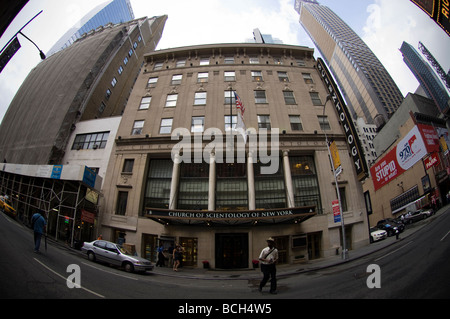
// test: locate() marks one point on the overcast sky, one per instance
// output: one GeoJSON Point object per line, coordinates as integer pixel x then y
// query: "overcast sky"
{"type": "Point", "coordinates": [382, 24]}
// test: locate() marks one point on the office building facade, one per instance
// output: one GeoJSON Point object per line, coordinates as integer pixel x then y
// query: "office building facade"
{"type": "Point", "coordinates": [369, 90]}
{"type": "Point", "coordinates": [90, 79]}
{"type": "Point", "coordinates": [112, 11]}
{"type": "Point", "coordinates": [173, 177]}
{"type": "Point", "coordinates": [427, 78]}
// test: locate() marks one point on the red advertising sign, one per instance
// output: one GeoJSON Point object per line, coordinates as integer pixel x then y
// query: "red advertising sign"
{"type": "Point", "coordinates": [406, 153]}
{"type": "Point", "coordinates": [87, 217]}
{"type": "Point", "coordinates": [431, 161]}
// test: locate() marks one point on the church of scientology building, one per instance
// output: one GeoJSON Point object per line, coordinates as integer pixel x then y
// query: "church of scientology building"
{"type": "Point", "coordinates": [180, 172]}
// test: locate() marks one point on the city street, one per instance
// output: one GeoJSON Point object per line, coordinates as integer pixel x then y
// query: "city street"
{"type": "Point", "coordinates": [413, 267]}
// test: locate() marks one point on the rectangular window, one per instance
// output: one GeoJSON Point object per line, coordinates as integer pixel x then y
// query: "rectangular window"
{"type": "Point", "coordinates": [152, 82]}
{"type": "Point", "coordinates": [159, 179]}
{"type": "Point", "coordinates": [260, 97]}
{"type": "Point", "coordinates": [231, 186]}
{"type": "Point", "coordinates": [114, 82]}
{"type": "Point", "coordinates": [230, 98]}
{"type": "Point", "coordinates": [202, 77]}
{"type": "Point", "coordinates": [90, 141]}
{"type": "Point", "coordinates": [108, 94]}
{"type": "Point", "coordinates": [283, 77]}
{"type": "Point", "coordinates": [197, 124]}
{"type": "Point", "coordinates": [137, 127]}
{"type": "Point", "coordinates": [230, 76]}
{"type": "Point", "coordinates": [122, 199]}
{"type": "Point", "coordinates": [306, 185]}
{"type": "Point", "coordinates": [289, 98]}
{"type": "Point", "coordinates": [229, 60]}
{"type": "Point", "coordinates": [270, 189]}
{"type": "Point", "coordinates": [120, 70]}
{"type": "Point", "coordinates": [254, 60]}
{"type": "Point", "coordinates": [200, 98]}
{"type": "Point", "coordinates": [180, 63]}
{"type": "Point", "coordinates": [204, 61]}
{"type": "Point", "coordinates": [125, 61]}
{"type": "Point", "coordinates": [257, 76]}
{"type": "Point", "coordinates": [324, 124]}
{"type": "Point", "coordinates": [166, 126]}
{"type": "Point", "coordinates": [130, 53]}
{"type": "Point", "coordinates": [264, 121]}
{"type": "Point", "coordinates": [128, 166]}
{"type": "Point", "coordinates": [307, 78]}
{"type": "Point", "coordinates": [145, 103]}
{"type": "Point", "coordinates": [315, 98]}
{"type": "Point", "coordinates": [171, 100]}
{"type": "Point", "coordinates": [230, 121]}
{"type": "Point", "coordinates": [158, 66]}
{"type": "Point", "coordinates": [277, 61]}
{"type": "Point", "coordinates": [176, 79]}
{"type": "Point", "coordinates": [194, 186]}
{"type": "Point", "coordinates": [296, 123]}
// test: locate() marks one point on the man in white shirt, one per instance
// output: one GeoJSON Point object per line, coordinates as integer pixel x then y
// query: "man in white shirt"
{"type": "Point", "coordinates": [268, 258]}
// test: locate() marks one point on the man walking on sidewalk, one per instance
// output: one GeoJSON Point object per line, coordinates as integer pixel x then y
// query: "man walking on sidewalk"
{"type": "Point", "coordinates": [268, 258]}
{"type": "Point", "coordinates": [38, 224]}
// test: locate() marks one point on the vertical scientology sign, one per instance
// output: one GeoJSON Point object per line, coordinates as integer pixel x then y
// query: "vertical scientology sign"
{"type": "Point", "coordinates": [356, 152]}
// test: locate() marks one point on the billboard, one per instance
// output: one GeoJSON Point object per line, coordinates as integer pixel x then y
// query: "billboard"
{"type": "Point", "coordinates": [438, 10]}
{"type": "Point", "coordinates": [418, 143]}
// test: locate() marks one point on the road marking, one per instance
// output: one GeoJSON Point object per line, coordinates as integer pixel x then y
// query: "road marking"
{"type": "Point", "coordinates": [442, 239]}
{"type": "Point", "coordinates": [109, 272]}
{"type": "Point", "coordinates": [393, 251]}
{"type": "Point", "coordinates": [65, 279]}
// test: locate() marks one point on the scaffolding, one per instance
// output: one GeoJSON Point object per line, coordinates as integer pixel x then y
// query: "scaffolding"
{"type": "Point", "coordinates": [64, 202]}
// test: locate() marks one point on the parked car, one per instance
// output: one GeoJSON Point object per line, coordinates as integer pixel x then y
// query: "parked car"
{"type": "Point", "coordinates": [412, 217]}
{"type": "Point", "coordinates": [6, 206]}
{"type": "Point", "coordinates": [397, 223]}
{"type": "Point", "coordinates": [377, 234]}
{"type": "Point", "coordinates": [390, 227]}
{"type": "Point", "coordinates": [427, 212]}
{"type": "Point", "coordinates": [111, 253]}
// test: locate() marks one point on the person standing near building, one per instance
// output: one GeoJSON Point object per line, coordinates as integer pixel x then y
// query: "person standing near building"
{"type": "Point", "coordinates": [268, 258]}
{"type": "Point", "coordinates": [39, 224]}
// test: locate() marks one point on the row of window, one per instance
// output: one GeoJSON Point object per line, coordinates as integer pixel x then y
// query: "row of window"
{"type": "Point", "coordinates": [198, 124]}
{"type": "Point", "coordinates": [229, 76]}
{"type": "Point", "coordinates": [180, 63]}
{"type": "Point", "coordinates": [231, 185]}
{"type": "Point", "coordinates": [120, 70]}
{"type": "Point", "coordinates": [201, 97]}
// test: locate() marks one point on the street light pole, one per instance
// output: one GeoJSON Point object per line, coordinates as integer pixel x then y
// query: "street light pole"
{"type": "Point", "coordinates": [344, 244]}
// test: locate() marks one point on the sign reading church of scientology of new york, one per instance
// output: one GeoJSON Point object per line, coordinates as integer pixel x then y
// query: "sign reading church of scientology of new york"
{"type": "Point", "coordinates": [359, 160]}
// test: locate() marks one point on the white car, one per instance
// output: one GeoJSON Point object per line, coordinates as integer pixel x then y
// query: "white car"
{"type": "Point", "coordinates": [377, 234]}
{"type": "Point", "coordinates": [111, 253]}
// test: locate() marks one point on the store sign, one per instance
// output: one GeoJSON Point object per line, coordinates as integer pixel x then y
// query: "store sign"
{"type": "Point", "coordinates": [345, 118]}
{"type": "Point", "coordinates": [87, 217]}
{"type": "Point", "coordinates": [217, 216]}
{"type": "Point", "coordinates": [405, 154]}
{"type": "Point", "coordinates": [432, 160]}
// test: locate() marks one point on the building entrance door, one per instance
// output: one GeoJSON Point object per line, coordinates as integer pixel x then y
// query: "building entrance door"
{"type": "Point", "coordinates": [231, 251]}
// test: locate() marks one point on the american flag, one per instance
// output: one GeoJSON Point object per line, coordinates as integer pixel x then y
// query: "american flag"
{"type": "Point", "coordinates": [239, 104]}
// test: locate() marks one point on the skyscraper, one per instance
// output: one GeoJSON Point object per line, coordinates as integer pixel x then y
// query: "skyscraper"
{"type": "Point", "coordinates": [111, 11]}
{"type": "Point", "coordinates": [367, 87]}
{"type": "Point", "coordinates": [427, 78]}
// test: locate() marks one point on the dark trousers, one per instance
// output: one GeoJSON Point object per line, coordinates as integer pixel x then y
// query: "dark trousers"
{"type": "Point", "coordinates": [269, 272]}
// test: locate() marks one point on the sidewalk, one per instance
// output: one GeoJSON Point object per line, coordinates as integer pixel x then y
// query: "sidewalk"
{"type": "Point", "coordinates": [288, 270]}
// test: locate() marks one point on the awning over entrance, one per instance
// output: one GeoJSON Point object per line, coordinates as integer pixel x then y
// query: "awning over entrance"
{"type": "Point", "coordinates": [227, 218]}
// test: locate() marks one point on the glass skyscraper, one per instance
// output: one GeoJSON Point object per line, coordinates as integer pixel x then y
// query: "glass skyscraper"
{"type": "Point", "coordinates": [428, 80]}
{"type": "Point", "coordinates": [368, 89]}
{"type": "Point", "coordinates": [112, 11]}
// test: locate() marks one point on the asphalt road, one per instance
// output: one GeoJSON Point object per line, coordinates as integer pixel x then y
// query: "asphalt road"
{"type": "Point", "coordinates": [416, 267]}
